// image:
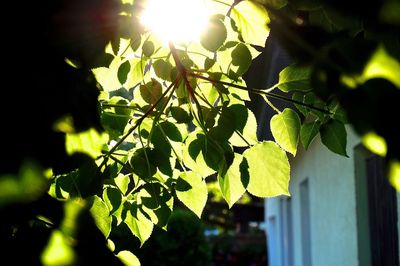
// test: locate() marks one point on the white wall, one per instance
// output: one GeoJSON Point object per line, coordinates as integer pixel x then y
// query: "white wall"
{"type": "Point", "coordinates": [332, 206]}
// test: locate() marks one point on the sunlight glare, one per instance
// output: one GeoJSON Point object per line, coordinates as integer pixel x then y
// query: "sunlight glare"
{"type": "Point", "coordinates": [176, 20]}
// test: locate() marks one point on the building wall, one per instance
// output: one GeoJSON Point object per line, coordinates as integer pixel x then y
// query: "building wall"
{"type": "Point", "coordinates": [332, 207]}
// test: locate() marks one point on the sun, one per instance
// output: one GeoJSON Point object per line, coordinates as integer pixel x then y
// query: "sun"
{"type": "Point", "coordinates": [176, 20]}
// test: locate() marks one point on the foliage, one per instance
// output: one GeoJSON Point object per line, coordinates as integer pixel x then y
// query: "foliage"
{"type": "Point", "coordinates": [118, 125]}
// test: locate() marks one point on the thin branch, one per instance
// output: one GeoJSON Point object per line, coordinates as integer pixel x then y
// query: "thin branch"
{"type": "Point", "coordinates": [182, 71]}
{"type": "Point", "coordinates": [261, 92]}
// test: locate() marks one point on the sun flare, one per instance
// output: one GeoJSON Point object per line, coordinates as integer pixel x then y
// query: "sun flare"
{"type": "Point", "coordinates": [176, 20]}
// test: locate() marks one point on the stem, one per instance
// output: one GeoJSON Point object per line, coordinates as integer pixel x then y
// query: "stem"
{"type": "Point", "coordinates": [261, 92]}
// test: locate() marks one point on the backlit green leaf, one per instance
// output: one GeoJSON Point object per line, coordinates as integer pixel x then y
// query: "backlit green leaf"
{"type": "Point", "coordinates": [251, 19]}
{"type": "Point", "coordinates": [193, 154]}
{"type": "Point", "coordinates": [241, 56]}
{"type": "Point", "coordinates": [58, 250]}
{"type": "Point", "coordinates": [334, 136]}
{"type": "Point", "coordinates": [191, 189]}
{"type": "Point", "coordinates": [114, 124]}
{"type": "Point", "coordinates": [151, 91]}
{"type": "Point", "coordinates": [215, 36]}
{"type": "Point", "coordinates": [113, 198]}
{"type": "Point", "coordinates": [148, 48]}
{"type": "Point", "coordinates": [101, 215]}
{"type": "Point", "coordinates": [141, 163]}
{"type": "Point", "coordinates": [123, 72]}
{"type": "Point", "coordinates": [163, 69]}
{"type": "Point", "coordinates": [394, 174]}
{"type": "Point", "coordinates": [382, 65]}
{"type": "Point", "coordinates": [28, 185]}
{"type": "Point", "coordinates": [180, 115]}
{"type": "Point", "coordinates": [89, 142]}
{"type": "Point", "coordinates": [128, 258]}
{"type": "Point", "coordinates": [295, 78]}
{"type": "Point", "coordinates": [157, 203]}
{"type": "Point", "coordinates": [245, 126]}
{"type": "Point", "coordinates": [122, 182]}
{"type": "Point", "coordinates": [285, 128]}
{"type": "Point", "coordinates": [269, 170]}
{"type": "Point", "coordinates": [230, 183]}
{"type": "Point", "coordinates": [308, 132]}
{"type": "Point", "coordinates": [138, 223]}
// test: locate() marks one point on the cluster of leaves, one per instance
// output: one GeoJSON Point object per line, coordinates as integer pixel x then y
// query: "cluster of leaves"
{"type": "Point", "coordinates": [174, 114]}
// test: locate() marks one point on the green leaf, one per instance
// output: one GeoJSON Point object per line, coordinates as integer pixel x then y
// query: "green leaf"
{"type": "Point", "coordinates": [308, 132]}
{"type": "Point", "coordinates": [100, 213]}
{"type": "Point", "coordinates": [180, 115]}
{"type": "Point", "coordinates": [28, 185]}
{"type": "Point", "coordinates": [103, 60]}
{"type": "Point", "coordinates": [334, 136]}
{"type": "Point", "coordinates": [171, 131]}
{"type": "Point", "coordinates": [83, 182]}
{"type": "Point", "coordinates": [141, 165]}
{"type": "Point", "coordinates": [114, 124]}
{"type": "Point", "coordinates": [208, 63]}
{"type": "Point", "coordinates": [116, 45]}
{"type": "Point", "coordinates": [295, 78]}
{"type": "Point", "coordinates": [148, 48]}
{"type": "Point", "coordinates": [241, 56]}
{"type": "Point", "coordinates": [251, 20]}
{"type": "Point", "coordinates": [157, 202]}
{"type": "Point", "coordinates": [138, 223]}
{"type": "Point", "coordinates": [215, 35]}
{"type": "Point", "coordinates": [136, 40]}
{"type": "Point", "coordinates": [193, 157]}
{"type": "Point", "coordinates": [58, 250]}
{"type": "Point", "coordinates": [151, 91]}
{"type": "Point", "coordinates": [89, 142]}
{"type": "Point", "coordinates": [245, 124]}
{"type": "Point", "coordinates": [113, 198]}
{"type": "Point", "coordinates": [382, 65]}
{"type": "Point", "coordinates": [394, 174]}
{"type": "Point", "coordinates": [163, 69]}
{"type": "Point", "coordinates": [128, 258]}
{"type": "Point", "coordinates": [122, 182]}
{"type": "Point", "coordinates": [230, 183]}
{"type": "Point", "coordinates": [123, 72]}
{"type": "Point", "coordinates": [285, 128]}
{"type": "Point", "coordinates": [191, 190]}
{"type": "Point", "coordinates": [269, 170]}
